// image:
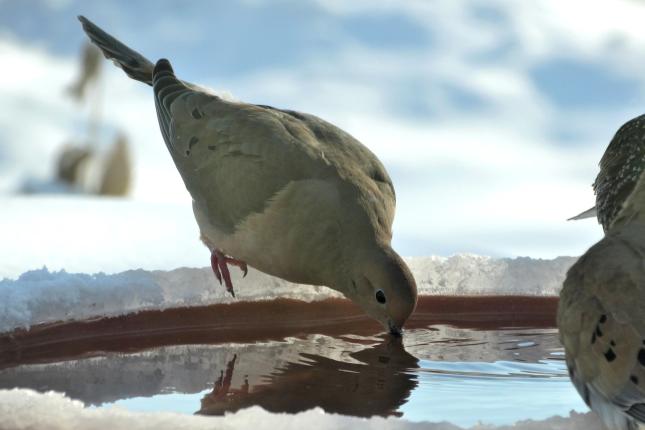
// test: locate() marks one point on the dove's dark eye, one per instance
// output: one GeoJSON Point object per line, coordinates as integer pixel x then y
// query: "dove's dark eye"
{"type": "Point", "coordinates": [380, 296]}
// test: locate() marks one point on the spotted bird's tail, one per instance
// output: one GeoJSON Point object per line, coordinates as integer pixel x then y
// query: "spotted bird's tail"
{"type": "Point", "coordinates": [133, 64]}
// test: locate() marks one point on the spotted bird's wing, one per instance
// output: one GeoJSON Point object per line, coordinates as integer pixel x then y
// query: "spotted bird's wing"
{"type": "Point", "coordinates": [602, 323]}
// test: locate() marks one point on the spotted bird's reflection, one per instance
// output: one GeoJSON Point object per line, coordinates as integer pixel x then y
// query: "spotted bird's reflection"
{"type": "Point", "coordinates": [374, 381]}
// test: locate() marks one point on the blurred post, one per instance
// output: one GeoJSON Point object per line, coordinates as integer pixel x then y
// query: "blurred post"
{"type": "Point", "coordinates": [117, 170]}
{"type": "Point", "coordinates": [80, 166]}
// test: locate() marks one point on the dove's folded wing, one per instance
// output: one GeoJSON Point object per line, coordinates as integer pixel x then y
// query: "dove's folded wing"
{"type": "Point", "coordinates": [235, 157]}
{"type": "Point", "coordinates": [603, 324]}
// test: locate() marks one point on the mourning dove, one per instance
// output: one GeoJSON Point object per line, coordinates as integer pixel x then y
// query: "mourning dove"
{"type": "Point", "coordinates": [285, 192]}
{"type": "Point", "coordinates": [620, 167]}
{"type": "Point", "coordinates": [601, 318]}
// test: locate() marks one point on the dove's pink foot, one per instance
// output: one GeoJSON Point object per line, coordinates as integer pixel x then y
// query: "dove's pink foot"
{"type": "Point", "coordinates": [219, 263]}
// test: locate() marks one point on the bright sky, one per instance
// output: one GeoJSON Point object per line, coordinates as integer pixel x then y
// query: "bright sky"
{"type": "Point", "coordinates": [490, 116]}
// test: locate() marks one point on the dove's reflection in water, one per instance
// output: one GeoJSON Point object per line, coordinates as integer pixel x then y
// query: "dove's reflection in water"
{"type": "Point", "coordinates": [376, 380]}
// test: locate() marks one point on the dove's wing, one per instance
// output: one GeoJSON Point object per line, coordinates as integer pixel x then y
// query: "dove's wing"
{"type": "Point", "coordinates": [633, 210]}
{"type": "Point", "coordinates": [235, 157]}
{"type": "Point", "coordinates": [602, 323]}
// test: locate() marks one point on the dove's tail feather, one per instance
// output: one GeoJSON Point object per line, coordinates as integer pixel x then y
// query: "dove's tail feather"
{"type": "Point", "coordinates": [133, 64]}
{"type": "Point", "coordinates": [166, 88]}
{"type": "Point", "coordinates": [589, 213]}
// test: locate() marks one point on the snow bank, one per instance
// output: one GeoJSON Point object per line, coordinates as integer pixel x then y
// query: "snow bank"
{"type": "Point", "coordinates": [42, 296]}
{"type": "Point", "coordinates": [467, 274]}
{"type": "Point", "coordinates": [27, 409]}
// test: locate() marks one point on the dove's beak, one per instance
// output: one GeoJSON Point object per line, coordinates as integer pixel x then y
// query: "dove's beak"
{"type": "Point", "coordinates": [394, 330]}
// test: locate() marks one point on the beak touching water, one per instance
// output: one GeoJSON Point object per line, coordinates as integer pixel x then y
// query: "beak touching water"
{"type": "Point", "coordinates": [394, 330]}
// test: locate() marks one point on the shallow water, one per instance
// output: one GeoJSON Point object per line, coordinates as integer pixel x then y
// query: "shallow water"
{"type": "Point", "coordinates": [495, 373]}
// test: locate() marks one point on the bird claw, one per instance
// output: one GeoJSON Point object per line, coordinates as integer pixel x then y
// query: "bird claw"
{"type": "Point", "coordinates": [215, 267]}
{"type": "Point", "coordinates": [219, 264]}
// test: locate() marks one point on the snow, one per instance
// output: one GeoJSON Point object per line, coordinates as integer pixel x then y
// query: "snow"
{"type": "Point", "coordinates": [467, 274]}
{"type": "Point", "coordinates": [27, 409]}
{"type": "Point", "coordinates": [39, 296]}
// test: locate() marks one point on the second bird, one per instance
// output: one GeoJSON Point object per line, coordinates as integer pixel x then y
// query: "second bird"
{"type": "Point", "coordinates": [286, 192]}
{"type": "Point", "coordinates": [620, 168]}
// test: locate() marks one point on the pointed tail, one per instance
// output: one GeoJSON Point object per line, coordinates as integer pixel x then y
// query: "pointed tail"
{"type": "Point", "coordinates": [133, 64]}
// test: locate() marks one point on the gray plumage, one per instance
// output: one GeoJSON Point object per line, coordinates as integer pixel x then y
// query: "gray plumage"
{"type": "Point", "coordinates": [286, 192]}
{"type": "Point", "coordinates": [601, 318]}
{"type": "Point", "coordinates": [133, 64]}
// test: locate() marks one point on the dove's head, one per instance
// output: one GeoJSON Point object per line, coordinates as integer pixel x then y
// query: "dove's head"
{"type": "Point", "coordinates": [382, 284]}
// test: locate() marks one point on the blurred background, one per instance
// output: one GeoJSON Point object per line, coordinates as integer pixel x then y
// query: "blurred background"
{"type": "Point", "coordinates": [491, 116]}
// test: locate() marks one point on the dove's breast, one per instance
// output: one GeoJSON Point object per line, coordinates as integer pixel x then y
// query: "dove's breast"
{"type": "Point", "coordinates": [297, 236]}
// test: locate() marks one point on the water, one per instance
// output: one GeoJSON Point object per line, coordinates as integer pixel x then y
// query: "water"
{"type": "Point", "coordinates": [461, 373]}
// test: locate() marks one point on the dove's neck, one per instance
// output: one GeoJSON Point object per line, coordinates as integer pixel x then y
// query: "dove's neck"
{"type": "Point", "coordinates": [633, 210]}
{"type": "Point", "coordinates": [362, 261]}
{"type": "Point", "coordinates": [356, 261]}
